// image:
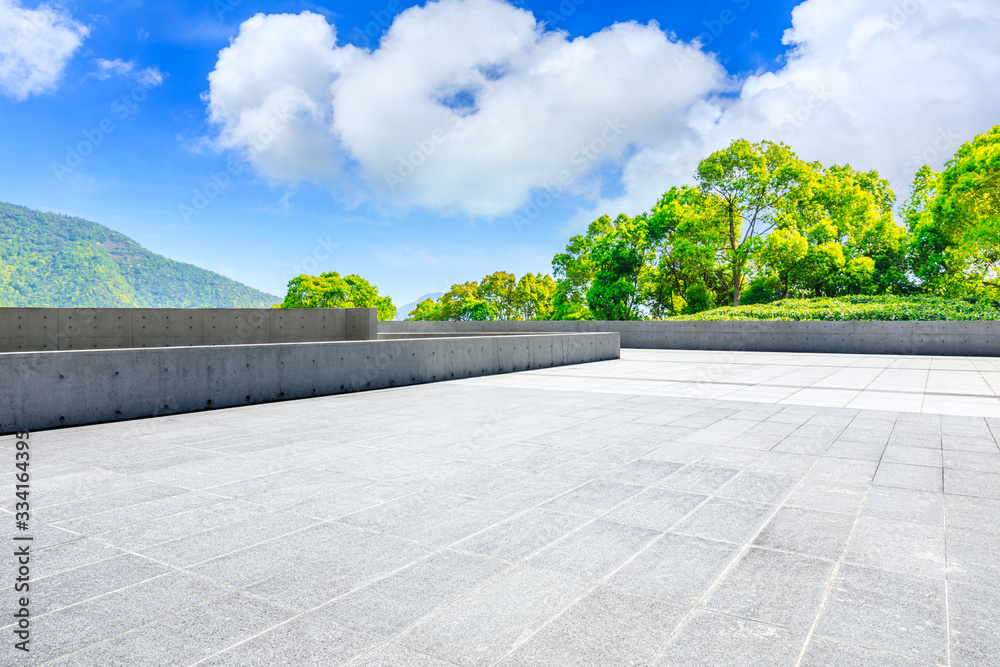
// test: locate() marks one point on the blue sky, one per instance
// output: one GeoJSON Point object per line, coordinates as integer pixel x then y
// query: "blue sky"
{"type": "Point", "coordinates": [134, 95]}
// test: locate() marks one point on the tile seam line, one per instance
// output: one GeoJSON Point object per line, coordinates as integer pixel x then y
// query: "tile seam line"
{"type": "Point", "coordinates": [729, 567]}
{"type": "Point", "coordinates": [764, 385]}
{"type": "Point", "coordinates": [832, 580]}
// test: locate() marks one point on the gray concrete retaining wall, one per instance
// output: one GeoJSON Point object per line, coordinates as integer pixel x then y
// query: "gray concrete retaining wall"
{"type": "Point", "coordinates": [41, 390]}
{"type": "Point", "coordinates": [921, 338]}
{"type": "Point", "coordinates": [40, 329]}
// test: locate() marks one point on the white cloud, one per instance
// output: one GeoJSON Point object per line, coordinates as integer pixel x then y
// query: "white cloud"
{"type": "Point", "coordinates": [471, 105]}
{"type": "Point", "coordinates": [880, 84]}
{"type": "Point", "coordinates": [150, 77]}
{"type": "Point", "coordinates": [35, 45]}
{"type": "Point", "coordinates": [466, 105]}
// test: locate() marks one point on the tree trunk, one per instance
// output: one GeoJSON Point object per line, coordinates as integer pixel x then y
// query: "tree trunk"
{"type": "Point", "coordinates": [737, 279]}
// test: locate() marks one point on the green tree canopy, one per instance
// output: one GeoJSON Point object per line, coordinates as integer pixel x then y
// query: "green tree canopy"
{"type": "Point", "coordinates": [954, 217]}
{"type": "Point", "coordinates": [498, 296]}
{"type": "Point", "coordinates": [329, 290]}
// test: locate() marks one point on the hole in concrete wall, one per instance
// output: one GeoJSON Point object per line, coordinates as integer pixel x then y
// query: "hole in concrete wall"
{"type": "Point", "coordinates": [248, 398]}
{"type": "Point", "coordinates": [208, 402]}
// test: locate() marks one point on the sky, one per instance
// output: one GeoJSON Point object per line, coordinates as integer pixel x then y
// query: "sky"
{"type": "Point", "coordinates": [426, 144]}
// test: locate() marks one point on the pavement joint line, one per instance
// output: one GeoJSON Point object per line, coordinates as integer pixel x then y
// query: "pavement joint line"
{"type": "Point", "coordinates": [729, 566]}
{"type": "Point", "coordinates": [765, 384]}
{"type": "Point", "coordinates": [833, 578]}
{"type": "Point", "coordinates": [947, 573]}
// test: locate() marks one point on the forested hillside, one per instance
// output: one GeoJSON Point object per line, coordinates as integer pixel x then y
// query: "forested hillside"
{"type": "Point", "coordinates": [55, 260]}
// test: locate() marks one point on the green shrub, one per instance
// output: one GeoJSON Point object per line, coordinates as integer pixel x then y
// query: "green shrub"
{"type": "Point", "coordinates": [698, 298]}
{"type": "Point", "coordinates": [858, 308]}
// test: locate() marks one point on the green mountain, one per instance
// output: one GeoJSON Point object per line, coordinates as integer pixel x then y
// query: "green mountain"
{"type": "Point", "coordinates": [55, 260]}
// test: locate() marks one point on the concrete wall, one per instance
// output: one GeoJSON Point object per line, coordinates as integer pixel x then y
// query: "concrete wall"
{"type": "Point", "coordinates": [43, 390]}
{"type": "Point", "coordinates": [924, 338]}
{"type": "Point", "coordinates": [40, 329]}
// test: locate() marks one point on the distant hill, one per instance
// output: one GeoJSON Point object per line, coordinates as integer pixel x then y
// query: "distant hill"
{"type": "Point", "coordinates": [55, 260]}
{"type": "Point", "coordinates": [402, 312]}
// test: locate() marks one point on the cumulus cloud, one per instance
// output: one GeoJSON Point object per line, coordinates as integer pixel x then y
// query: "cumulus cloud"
{"type": "Point", "coordinates": [466, 105]}
{"type": "Point", "coordinates": [881, 84]}
{"type": "Point", "coordinates": [150, 77]}
{"type": "Point", "coordinates": [474, 105]}
{"type": "Point", "coordinates": [35, 45]}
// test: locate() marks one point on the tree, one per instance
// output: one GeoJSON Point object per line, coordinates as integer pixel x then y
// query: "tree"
{"type": "Point", "coordinates": [614, 292]}
{"type": "Point", "coordinates": [785, 248]}
{"type": "Point", "coordinates": [957, 233]}
{"type": "Point", "coordinates": [751, 184]}
{"type": "Point", "coordinates": [606, 273]}
{"type": "Point", "coordinates": [329, 290]}
{"type": "Point", "coordinates": [688, 243]}
{"type": "Point", "coordinates": [699, 298]}
{"type": "Point", "coordinates": [498, 296]}
{"type": "Point", "coordinates": [426, 311]}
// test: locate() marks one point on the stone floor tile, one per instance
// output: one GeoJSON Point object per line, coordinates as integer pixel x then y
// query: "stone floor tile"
{"type": "Point", "coordinates": [698, 478]}
{"type": "Point", "coordinates": [824, 495]}
{"type": "Point", "coordinates": [975, 616]}
{"type": "Point", "coordinates": [643, 472]}
{"type": "Point", "coordinates": [394, 655]}
{"type": "Point", "coordinates": [319, 581]}
{"type": "Point", "coordinates": [76, 585]}
{"type": "Point", "coordinates": [593, 499]}
{"type": "Point", "coordinates": [192, 635]}
{"type": "Point", "coordinates": [304, 640]}
{"type": "Point", "coordinates": [606, 628]}
{"type": "Point", "coordinates": [485, 625]}
{"type": "Point", "coordinates": [773, 587]}
{"type": "Point", "coordinates": [856, 451]}
{"type": "Point", "coordinates": [758, 487]}
{"type": "Point", "coordinates": [726, 519]}
{"type": "Point", "coordinates": [402, 511]}
{"type": "Point", "coordinates": [985, 444]}
{"type": "Point", "coordinates": [972, 513]}
{"type": "Point", "coordinates": [887, 611]}
{"type": "Point", "coordinates": [520, 537]}
{"type": "Point", "coordinates": [973, 558]}
{"type": "Point", "coordinates": [848, 471]}
{"type": "Point", "coordinates": [395, 602]}
{"type": "Point", "coordinates": [904, 547]}
{"type": "Point", "coordinates": [977, 461]}
{"type": "Point", "coordinates": [594, 551]}
{"type": "Point", "coordinates": [656, 509]}
{"type": "Point", "coordinates": [886, 502]}
{"type": "Point", "coordinates": [216, 542]}
{"type": "Point", "coordinates": [676, 567]}
{"type": "Point", "coordinates": [808, 532]}
{"type": "Point", "coordinates": [457, 523]}
{"type": "Point", "coordinates": [73, 628]}
{"type": "Point", "coordinates": [914, 456]}
{"type": "Point", "coordinates": [244, 567]}
{"type": "Point", "coordinates": [714, 640]}
{"type": "Point", "coordinates": [970, 483]}
{"type": "Point", "coordinates": [783, 463]}
{"type": "Point", "coordinates": [902, 476]}
{"type": "Point", "coordinates": [826, 653]}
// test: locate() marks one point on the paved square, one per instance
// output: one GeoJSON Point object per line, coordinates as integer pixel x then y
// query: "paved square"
{"type": "Point", "coordinates": [669, 508]}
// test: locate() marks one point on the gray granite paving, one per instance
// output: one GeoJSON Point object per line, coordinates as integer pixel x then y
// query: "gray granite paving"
{"type": "Point", "coordinates": [480, 523]}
